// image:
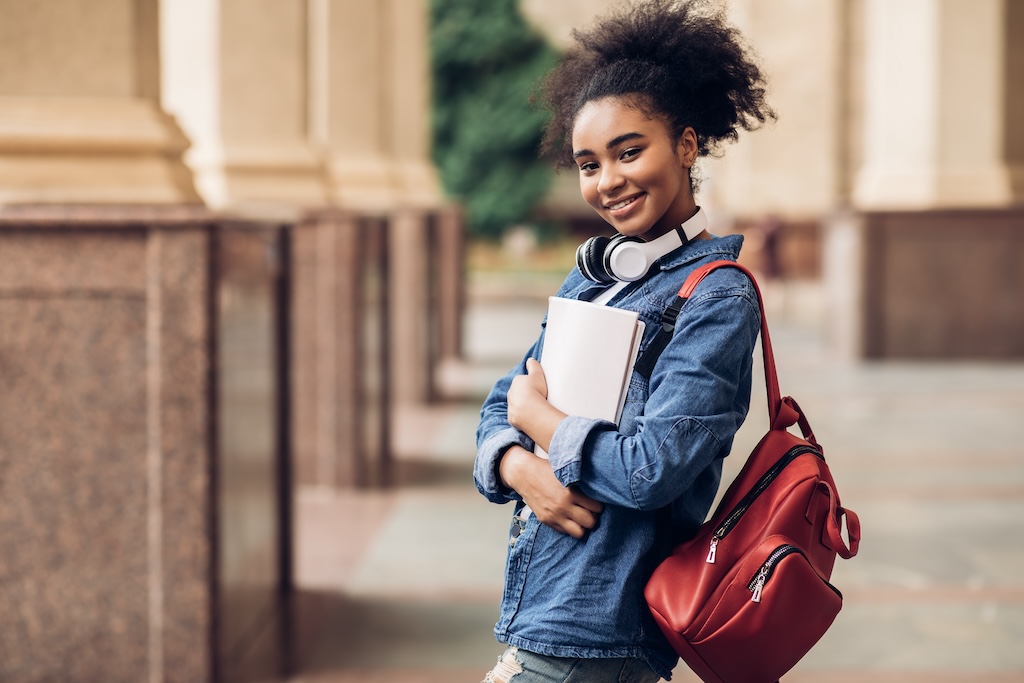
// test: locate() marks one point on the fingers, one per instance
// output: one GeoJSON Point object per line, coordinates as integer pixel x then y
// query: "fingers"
{"type": "Point", "coordinates": [584, 518]}
{"type": "Point", "coordinates": [590, 504]}
{"type": "Point", "coordinates": [568, 518]}
{"type": "Point", "coordinates": [572, 529]}
{"type": "Point", "coordinates": [536, 374]}
{"type": "Point", "coordinates": [566, 510]}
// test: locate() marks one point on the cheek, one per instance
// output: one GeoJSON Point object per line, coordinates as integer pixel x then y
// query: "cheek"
{"type": "Point", "coordinates": [588, 189]}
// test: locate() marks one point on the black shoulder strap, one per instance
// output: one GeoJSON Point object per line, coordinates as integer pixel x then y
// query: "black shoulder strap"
{"type": "Point", "coordinates": [645, 363]}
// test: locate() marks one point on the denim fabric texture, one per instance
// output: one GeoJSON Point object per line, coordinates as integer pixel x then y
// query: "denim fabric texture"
{"type": "Point", "coordinates": [519, 666]}
{"type": "Point", "coordinates": [572, 598]}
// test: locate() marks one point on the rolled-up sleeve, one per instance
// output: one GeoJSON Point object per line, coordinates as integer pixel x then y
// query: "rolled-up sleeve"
{"type": "Point", "coordinates": [494, 435]}
{"type": "Point", "coordinates": [699, 394]}
{"type": "Point", "coordinates": [485, 470]}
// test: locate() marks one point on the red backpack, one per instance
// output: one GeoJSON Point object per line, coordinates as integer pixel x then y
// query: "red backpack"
{"type": "Point", "coordinates": [747, 597]}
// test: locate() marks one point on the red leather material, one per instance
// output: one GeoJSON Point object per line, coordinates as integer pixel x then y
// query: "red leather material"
{"type": "Point", "coordinates": [783, 502]}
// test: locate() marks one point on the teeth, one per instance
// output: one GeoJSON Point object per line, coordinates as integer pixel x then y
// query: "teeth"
{"type": "Point", "coordinates": [624, 202]}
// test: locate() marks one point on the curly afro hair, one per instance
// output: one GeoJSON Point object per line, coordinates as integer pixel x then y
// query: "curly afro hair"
{"type": "Point", "coordinates": [680, 61]}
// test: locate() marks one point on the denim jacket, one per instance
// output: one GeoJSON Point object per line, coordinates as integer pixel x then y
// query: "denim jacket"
{"type": "Point", "coordinates": [657, 472]}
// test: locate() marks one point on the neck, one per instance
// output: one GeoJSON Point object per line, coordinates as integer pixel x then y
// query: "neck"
{"type": "Point", "coordinates": [693, 226]}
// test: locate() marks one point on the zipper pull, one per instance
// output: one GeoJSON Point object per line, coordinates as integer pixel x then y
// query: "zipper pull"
{"type": "Point", "coordinates": [711, 551]}
{"type": "Point", "coordinates": [759, 582]}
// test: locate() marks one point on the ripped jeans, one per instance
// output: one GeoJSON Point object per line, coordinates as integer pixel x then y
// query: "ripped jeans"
{"type": "Point", "coordinates": [520, 666]}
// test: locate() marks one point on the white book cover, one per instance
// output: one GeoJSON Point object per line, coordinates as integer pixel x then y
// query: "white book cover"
{"type": "Point", "coordinates": [588, 357]}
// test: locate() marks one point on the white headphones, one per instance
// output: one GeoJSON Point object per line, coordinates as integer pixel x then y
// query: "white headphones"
{"type": "Point", "coordinates": [627, 259]}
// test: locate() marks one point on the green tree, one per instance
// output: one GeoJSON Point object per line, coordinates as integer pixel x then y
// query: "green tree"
{"type": "Point", "coordinates": [486, 61]}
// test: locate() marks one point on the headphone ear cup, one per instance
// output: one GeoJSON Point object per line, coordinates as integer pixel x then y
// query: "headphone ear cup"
{"type": "Point", "coordinates": [617, 249]}
{"type": "Point", "coordinates": [590, 259]}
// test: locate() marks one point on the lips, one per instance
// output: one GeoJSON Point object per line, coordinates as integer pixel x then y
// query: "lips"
{"type": "Point", "coordinates": [622, 205]}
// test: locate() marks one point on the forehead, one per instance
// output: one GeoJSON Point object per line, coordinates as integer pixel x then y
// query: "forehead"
{"type": "Point", "coordinates": [602, 120]}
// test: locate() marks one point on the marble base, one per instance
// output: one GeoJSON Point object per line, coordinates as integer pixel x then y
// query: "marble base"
{"type": "Point", "coordinates": [120, 484]}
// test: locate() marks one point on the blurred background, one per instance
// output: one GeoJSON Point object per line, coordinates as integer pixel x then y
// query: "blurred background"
{"type": "Point", "coordinates": [260, 260]}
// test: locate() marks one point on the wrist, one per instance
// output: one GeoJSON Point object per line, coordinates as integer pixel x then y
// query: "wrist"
{"type": "Point", "coordinates": [544, 422]}
{"type": "Point", "coordinates": [509, 464]}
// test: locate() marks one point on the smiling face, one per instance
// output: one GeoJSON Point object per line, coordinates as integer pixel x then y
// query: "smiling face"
{"type": "Point", "coordinates": [632, 171]}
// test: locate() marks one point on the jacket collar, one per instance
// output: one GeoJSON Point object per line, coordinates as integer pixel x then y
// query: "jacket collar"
{"type": "Point", "coordinates": [727, 247]}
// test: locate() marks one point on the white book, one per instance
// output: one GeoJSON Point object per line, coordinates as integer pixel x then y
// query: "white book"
{"type": "Point", "coordinates": [588, 357]}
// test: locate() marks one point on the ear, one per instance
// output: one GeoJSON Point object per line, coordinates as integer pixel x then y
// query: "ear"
{"type": "Point", "coordinates": [687, 147]}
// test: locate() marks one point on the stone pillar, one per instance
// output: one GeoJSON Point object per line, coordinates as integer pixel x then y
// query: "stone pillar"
{"type": "Point", "coordinates": [357, 113]}
{"type": "Point", "coordinates": [935, 107]}
{"type": "Point", "coordinates": [106, 448]}
{"type": "Point", "coordinates": [408, 94]}
{"type": "Point", "coordinates": [80, 119]}
{"type": "Point", "coordinates": [146, 410]}
{"type": "Point", "coordinates": [237, 77]}
{"type": "Point", "coordinates": [372, 100]}
{"type": "Point", "coordinates": [340, 365]}
{"type": "Point", "coordinates": [941, 167]}
{"type": "Point", "coordinates": [449, 247]}
{"type": "Point", "coordinates": [787, 169]}
{"type": "Point", "coordinates": [377, 128]}
{"type": "Point", "coordinates": [410, 297]}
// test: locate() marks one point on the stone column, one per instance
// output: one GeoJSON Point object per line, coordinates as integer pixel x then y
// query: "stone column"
{"type": "Point", "coordinates": [238, 79]}
{"type": "Point", "coordinates": [788, 168]}
{"type": "Point", "coordinates": [339, 362]}
{"type": "Point", "coordinates": [106, 446]}
{"type": "Point", "coordinates": [357, 111]}
{"type": "Point", "coordinates": [408, 95]}
{"type": "Point", "coordinates": [932, 239]}
{"type": "Point", "coordinates": [80, 119]}
{"type": "Point", "coordinates": [377, 128]}
{"type": "Point", "coordinates": [936, 130]}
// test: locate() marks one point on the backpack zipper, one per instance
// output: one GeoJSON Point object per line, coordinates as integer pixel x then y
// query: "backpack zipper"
{"type": "Point", "coordinates": [766, 479]}
{"type": "Point", "coordinates": [757, 584]}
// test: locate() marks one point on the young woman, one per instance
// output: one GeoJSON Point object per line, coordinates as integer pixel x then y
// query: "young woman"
{"type": "Point", "coordinates": [643, 94]}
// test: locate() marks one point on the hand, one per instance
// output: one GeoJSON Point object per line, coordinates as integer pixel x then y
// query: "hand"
{"type": "Point", "coordinates": [564, 509]}
{"type": "Point", "coordinates": [526, 395]}
{"type": "Point", "coordinates": [528, 407]}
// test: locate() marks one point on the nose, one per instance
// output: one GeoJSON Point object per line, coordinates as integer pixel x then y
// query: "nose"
{"type": "Point", "coordinates": [610, 179]}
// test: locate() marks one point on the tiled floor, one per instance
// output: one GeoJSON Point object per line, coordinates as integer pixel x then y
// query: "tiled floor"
{"type": "Point", "coordinates": [403, 585]}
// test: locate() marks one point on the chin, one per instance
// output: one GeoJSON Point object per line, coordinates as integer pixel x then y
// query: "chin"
{"type": "Point", "coordinates": [632, 228]}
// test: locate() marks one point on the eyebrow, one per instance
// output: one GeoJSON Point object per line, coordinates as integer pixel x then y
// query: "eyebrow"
{"type": "Point", "coordinates": [613, 143]}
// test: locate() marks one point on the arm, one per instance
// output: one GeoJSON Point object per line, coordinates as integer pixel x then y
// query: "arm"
{"type": "Point", "coordinates": [506, 467]}
{"type": "Point", "coordinates": [563, 508]}
{"type": "Point", "coordinates": [495, 436]}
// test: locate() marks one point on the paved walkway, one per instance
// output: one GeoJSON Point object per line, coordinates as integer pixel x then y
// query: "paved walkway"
{"type": "Point", "coordinates": [403, 585]}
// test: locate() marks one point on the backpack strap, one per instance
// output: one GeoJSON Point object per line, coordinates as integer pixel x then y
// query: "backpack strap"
{"type": "Point", "coordinates": [645, 364]}
{"type": "Point", "coordinates": [782, 412]}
